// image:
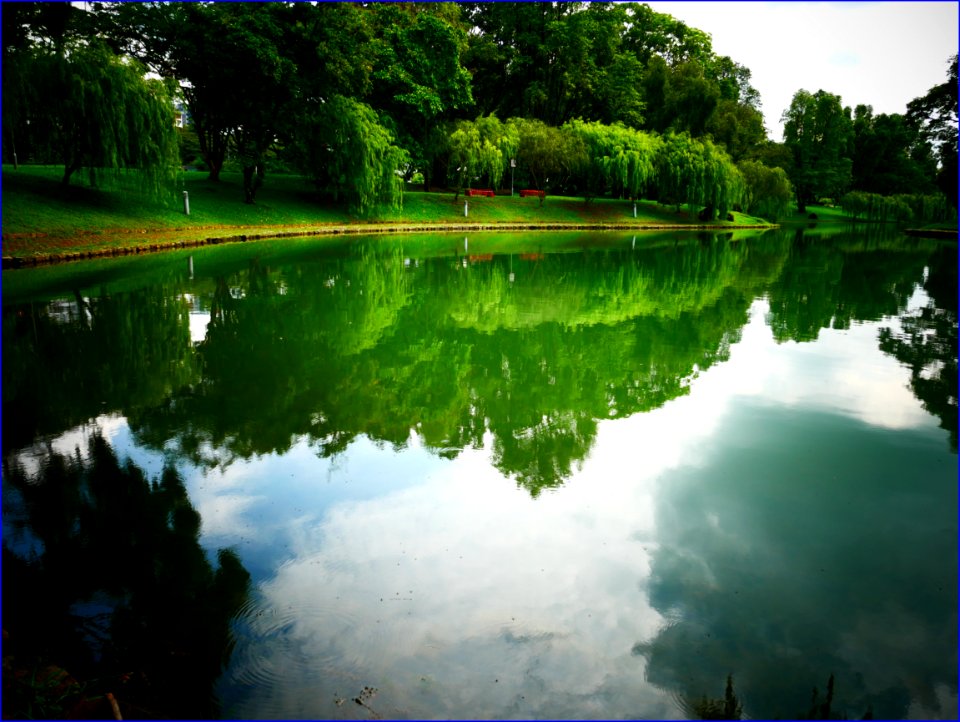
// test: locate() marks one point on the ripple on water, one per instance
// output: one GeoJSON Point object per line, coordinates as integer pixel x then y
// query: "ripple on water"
{"type": "Point", "coordinates": [275, 644]}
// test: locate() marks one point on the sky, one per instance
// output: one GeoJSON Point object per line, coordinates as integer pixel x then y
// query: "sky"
{"type": "Point", "coordinates": [882, 54]}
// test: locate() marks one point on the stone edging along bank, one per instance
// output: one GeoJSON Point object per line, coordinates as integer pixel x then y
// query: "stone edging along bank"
{"type": "Point", "coordinates": [41, 259]}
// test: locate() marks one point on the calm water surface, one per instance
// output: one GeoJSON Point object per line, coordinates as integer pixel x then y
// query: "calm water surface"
{"type": "Point", "coordinates": [490, 477]}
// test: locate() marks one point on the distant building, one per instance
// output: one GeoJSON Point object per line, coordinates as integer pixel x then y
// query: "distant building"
{"type": "Point", "coordinates": [181, 114]}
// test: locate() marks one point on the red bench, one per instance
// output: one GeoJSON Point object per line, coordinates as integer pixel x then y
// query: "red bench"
{"type": "Point", "coordinates": [539, 194]}
{"type": "Point", "coordinates": [480, 192]}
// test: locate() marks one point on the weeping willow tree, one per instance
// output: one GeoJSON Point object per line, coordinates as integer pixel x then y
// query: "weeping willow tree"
{"type": "Point", "coordinates": [767, 191]}
{"type": "Point", "coordinates": [505, 137]}
{"type": "Point", "coordinates": [620, 160]}
{"type": "Point", "coordinates": [723, 184]}
{"type": "Point", "coordinates": [351, 156]}
{"type": "Point", "coordinates": [89, 109]}
{"type": "Point", "coordinates": [696, 171]}
{"type": "Point", "coordinates": [481, 149]}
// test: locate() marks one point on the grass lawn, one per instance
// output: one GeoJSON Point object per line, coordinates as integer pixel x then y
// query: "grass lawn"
{"type": "Point", "coordinates": [822, 213]}
{"type": "Point", "coordinates": [41, 218]}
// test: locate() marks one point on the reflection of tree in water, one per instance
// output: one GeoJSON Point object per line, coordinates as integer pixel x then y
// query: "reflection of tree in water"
{"type": "Point", "coordinates": [116, 588]}
{"type": "Point", "coordinates": [828, 283]}
{"type": "Point", "coordinates": [366, 344]}
{"type": "Point", "coordinates": [542, 456]}
{"type": "Point", "coordinates": [729, 706]}
{"type": "Point", "coordinates": [66, 362]}
{"type": "Point", "coordinates": [928, 344]}
{"type": "Point", "coordinates": [372, 346]}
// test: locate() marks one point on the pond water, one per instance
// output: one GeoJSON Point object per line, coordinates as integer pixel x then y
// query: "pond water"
{"type": "Point", "coordinates": [494, 476]}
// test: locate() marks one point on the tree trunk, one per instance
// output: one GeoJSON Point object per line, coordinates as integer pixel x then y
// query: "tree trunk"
{"type": "Point", "coordinates": [251, 182]}
{"type": "Point", "coordinates": [212, 149]}
{"type": "Point", "coordinates": [68, 170]}
{"type": "Point", "coordinates": [13, 145]}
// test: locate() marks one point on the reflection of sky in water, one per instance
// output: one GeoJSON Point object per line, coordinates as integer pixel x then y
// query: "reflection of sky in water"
{"type": "Point", "coordinates": [455, 594]}
{"type": "Point", "coordinates": [545, 597]}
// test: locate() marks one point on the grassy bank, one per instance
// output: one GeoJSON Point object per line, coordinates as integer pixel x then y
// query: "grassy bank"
{"type": "Point", "coordinates": [42, 220]}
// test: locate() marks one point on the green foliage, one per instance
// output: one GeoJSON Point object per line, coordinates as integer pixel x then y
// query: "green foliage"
{"type": "Point", "coordinates": [253, 57]}
{"type": "Point", "coordinates": [698, 172]}
{"type": "Point", "coordinates": [189, 147]}
{"type": "Point", "coordinates": [935, 116]}
{"type": "Point", "coordinates": [923, 209]}
{"type": "Point", "coordinates": [351, 156]}
{"type": "Point", "coordinates": [91, 110]}
{"type": "Point", "coordinates": [255, 78]}
{"type": "Point", "coordinates": [180, 42]}
{"type": "Point", "coordinates": [890, 156]}
{"type": "Point", "coordinates": [418, 63]}
{"type": "Point", "coordinates": [417, 79]}
{"type": "Point", "coordinates": [652, 34]}
{"type": "Point", "coordinates": [545, 151]}
{"type": "Point", "coordinates": [767, 191]}
{"type": "Point", "coordinates": [620, 92]}
{"type": "Point", "coordinates": [620, 160]}
{"type": "Point", "coordinates": [690, 98]}
{"type": "Point", "coordinates": [819, 133]}
{"type": "Point", "coordinates": [481, 148]}
{"type": "Point", "coordinates": [738, 127]}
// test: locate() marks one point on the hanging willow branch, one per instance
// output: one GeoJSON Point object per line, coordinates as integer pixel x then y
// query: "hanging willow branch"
{"type": "Point", "coordinates": [621, 160]}
{"type": "Point", "coordinates": [93, 110]}
{"type": "Point", "coordinates": [351, 156]}
{"type": "Point", "coordinates": [698, 172]}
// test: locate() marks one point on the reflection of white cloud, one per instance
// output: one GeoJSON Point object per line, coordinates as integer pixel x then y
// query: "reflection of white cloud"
{"type": "Point", "coordinates": [198, 326]}
{"type": "Point", "coordinates": [461, 596]}
{"type": "Point", "coordinates": [454, 593]}
{"type": "Point", "coordinates": [223, 516]}
{"type": "Point", "coordinates": [465, 597]}
{"type": "Point", "coordinates": [67, 443]}
{"type": "Point", "coordinates": [843, 371]}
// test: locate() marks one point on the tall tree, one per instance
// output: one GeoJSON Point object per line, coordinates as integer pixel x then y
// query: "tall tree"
{"type": "Point", "coordinates": [480, 149]}
{"type": "Point", "coordinates": [179, 41]}
{"type": "Point", "coordinates": [737, 126]}
{"type": "Point", "coordinates": [649, 33]}
{"type": "Point", "coordinates": [417, 78]}
{"type": "Point", "coordinates": [254, 40]}
{"type": "Point", "coordinates": [546, 151]}
{"type": "Point", "coordinates": [819, 132]}
{"type": "Point", "coordinates": [935, 115]}
{"type": "Point", "coordinates": [690, 98]}
{"type": "Point", "coordinates": [554, 61]}
{"type": "Point", "coordinates": [889, 155]}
